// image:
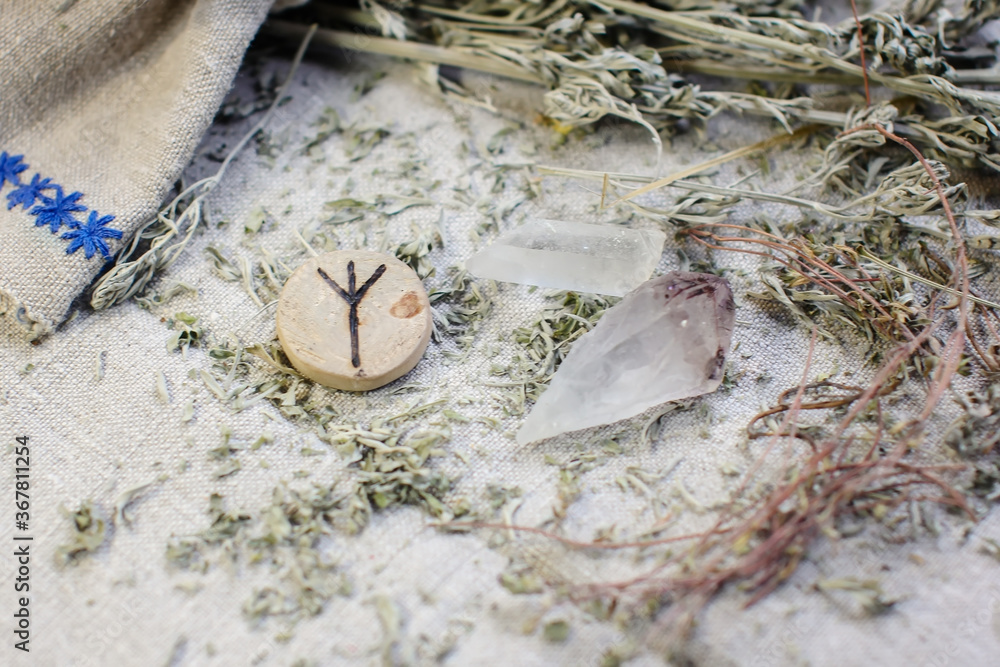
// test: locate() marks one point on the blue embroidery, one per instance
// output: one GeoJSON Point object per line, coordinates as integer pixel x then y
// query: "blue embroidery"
{"type": "Point", "coordinates": [10, 167]}
{"type": "Point", "coordinates": [56, 210]}
{"type": "Point", "coordinates": [91, 236]}
{"type": "Point", "coordinates": [28, 193]}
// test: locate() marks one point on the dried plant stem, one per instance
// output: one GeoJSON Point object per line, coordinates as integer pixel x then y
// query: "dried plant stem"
{"type": "Point", "coordinates": [861, 52]}
{"type": "Point", "coordinates": [513, 20]}
{"type": "Point", "coordinates": [733, 70]}
{"type": "Point", "coordinates": [129, 277]}
{"type": "Point", "coordinates": [428, 53]}
{"type": "Point", "coordinates": [783, 406]}
{"type": "Point", "coordinates": [952, 354]}
{"type": "Point", "coordinates": [680, 25]}
{"type": "Point", "coordinates": [770, 142]}
{"type": "Point", "coordinates": [920, 279]}
{"type": "Point", "coordinates": [836, 212]}
{"type": "Point", "coordinates": [808, 263]}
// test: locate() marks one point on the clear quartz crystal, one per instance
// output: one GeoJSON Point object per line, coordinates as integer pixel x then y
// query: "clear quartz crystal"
{"type": "Point", "coordinates": [666, 340]}
{"type": "Point", "coordinates": [603, 259]}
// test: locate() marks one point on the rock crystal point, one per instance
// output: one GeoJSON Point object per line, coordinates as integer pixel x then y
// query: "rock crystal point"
{"type": "Point", "coordinates": [666, 340]}
{"type": "Point", "coordinates": [603, 259]}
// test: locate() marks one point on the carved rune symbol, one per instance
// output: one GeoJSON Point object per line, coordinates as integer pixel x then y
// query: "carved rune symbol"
{"type": "Point", "coordinates": [353, 297]}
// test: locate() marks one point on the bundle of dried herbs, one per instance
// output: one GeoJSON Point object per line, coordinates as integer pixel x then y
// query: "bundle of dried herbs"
{"type": "Point", "coordinates": [628, 59]}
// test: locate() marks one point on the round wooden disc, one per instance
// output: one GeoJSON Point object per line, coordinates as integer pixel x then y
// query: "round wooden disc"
{"type": "Point", "coordinates": [393, 319]}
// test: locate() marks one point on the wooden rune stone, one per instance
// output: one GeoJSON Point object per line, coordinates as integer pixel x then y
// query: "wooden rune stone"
{"type": "Point", "coordinates": [350, 336]}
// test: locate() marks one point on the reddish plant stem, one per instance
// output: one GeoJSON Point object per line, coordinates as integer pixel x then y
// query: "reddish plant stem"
{"type": "Point", "coordinates": [803, 259]}
{"type": "Point", "coordinates": [861, 51]}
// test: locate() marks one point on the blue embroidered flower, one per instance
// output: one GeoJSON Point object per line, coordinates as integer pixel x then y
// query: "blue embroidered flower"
{"type": "Point", "coordinates": [10, 167]}
{"type": "Point", "coordinates": [91, 235]}
{"type": "Point", "coordinates": [58, 210]}
{"type": "Point", "coordinates": [29, 192]}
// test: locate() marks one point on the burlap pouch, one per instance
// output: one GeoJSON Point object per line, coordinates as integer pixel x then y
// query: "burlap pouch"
{"type": "Point", "coordinates": [102, 104]}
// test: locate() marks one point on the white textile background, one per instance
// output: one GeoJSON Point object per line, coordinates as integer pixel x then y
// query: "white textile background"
{"type": "Point", "coordinates": [94, 438]}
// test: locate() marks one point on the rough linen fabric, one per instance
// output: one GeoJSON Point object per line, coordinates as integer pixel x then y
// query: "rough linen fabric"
{"type": "Point", "coordinates": [101, 106]}
{"type": "Point", "coordinates": [98, 429]}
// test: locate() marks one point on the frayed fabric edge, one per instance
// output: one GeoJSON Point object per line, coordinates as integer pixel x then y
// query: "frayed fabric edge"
{"type": "Point", "coordinates": [34, 327]}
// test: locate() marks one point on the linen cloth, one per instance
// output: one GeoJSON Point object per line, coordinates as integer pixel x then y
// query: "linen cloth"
{"type": "Point", "coordinates": [88, 399]}
{"type": "Point", "coordinates": [105, 100]}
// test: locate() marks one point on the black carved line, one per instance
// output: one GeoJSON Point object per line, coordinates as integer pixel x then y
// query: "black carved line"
{"type": "Point", "coordinates": [353, 297]}
{"type": "Point", "coordinates": [333, 283]}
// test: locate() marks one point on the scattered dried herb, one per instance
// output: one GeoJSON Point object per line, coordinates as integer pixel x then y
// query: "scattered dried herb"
{"type": "Point", "coordinates": [977, 431]}
{"type": "Point", "coordinates": [544, 344]}
{"type": "Point", "coordinates": [89, 533]}
{"type": "Point", "coordinates": [285, 536]}
{"type": "Point", "coordinates": [186, 333]}
{"type": "Point", "coordinates": [556, 631]}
